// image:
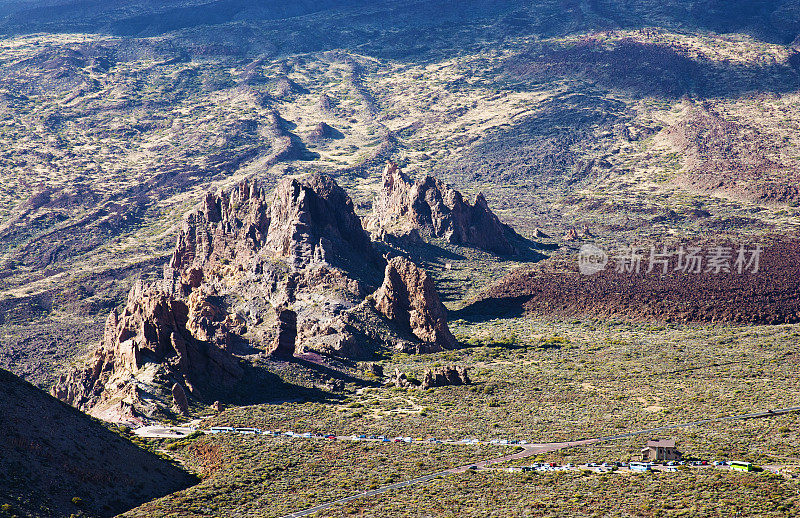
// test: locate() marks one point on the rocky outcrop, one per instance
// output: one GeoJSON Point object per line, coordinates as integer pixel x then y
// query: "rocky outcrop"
{"type": "Point", "coordinates": [148, 346]}
{"type": "Point", "coordinates": [229, 226]}
{"type": "Point", "coordinates": [310, 224]}
{"type": "Point", "coordinates": [409, 298]}
{"type": "Point", "coordinates": [238, 262]}
{"type": "Point", "coordinates": [313, 219]}
{"type": "Point", "coordinates": [309, 220]}
{"type": "Point", "coordinates": [437, 210]}
{"type": "Point", "coordinates": [401, 380]}
{"type": "Point", "coordinates": [540, 234]}
{"type": "Point", "coordinates": [181, 403]}
{"type": "Point", "coordinates": [573, 234]}
{"type": "Point", "coordinates": [325, 104]}
{"type": "Point", "coordinates": [358, 333]}
{"type": "Point", "coordinates": [322, 131]}
{"type": "Point", "coordinates": [284, 345]}
{"type": "Point", "coordinates": [444, 376]}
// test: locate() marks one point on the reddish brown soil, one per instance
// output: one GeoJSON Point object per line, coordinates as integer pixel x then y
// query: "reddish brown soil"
{"type": "Point", "coordinates": [556, 288]}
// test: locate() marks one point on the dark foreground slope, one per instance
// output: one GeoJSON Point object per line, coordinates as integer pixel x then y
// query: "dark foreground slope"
{"type": "Point", "coordinates": [56, 461]}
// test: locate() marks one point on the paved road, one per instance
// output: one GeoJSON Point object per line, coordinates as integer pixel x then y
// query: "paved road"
{"type": "Point", "coordinates": [164, 432]}
{"type": "Point", "coordinates": [529, 450]}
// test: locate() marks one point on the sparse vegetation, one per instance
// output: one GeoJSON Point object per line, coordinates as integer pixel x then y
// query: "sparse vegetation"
{"type": "Point", "coordinates": [115, 123]}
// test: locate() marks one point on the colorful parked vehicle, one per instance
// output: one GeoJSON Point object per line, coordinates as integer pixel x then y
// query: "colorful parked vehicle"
{"type": "Point", "coordinates": [639, 466]}
{"type": "Point", "coordinates": [741, 466]}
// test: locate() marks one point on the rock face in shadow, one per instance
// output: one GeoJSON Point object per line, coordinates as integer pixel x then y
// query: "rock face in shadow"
{"type": "Point", "coordinates": [435, 209]}
{"type": "Point", "coordinates": [147, 347]}
{"type": "Point", "coordinates": [179, 400]}
{"type": "Point", "coordinates": [444, 376]}
{"type": "Point", "coordinates": [409, 298]}
{"type": "Point", "coordinates": [284, 345]}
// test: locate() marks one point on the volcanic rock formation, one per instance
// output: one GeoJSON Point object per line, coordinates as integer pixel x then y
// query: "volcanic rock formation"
{"type": "Point", "coordinates": [309, 220]}
{"type": "Point", "coordinates": [238, 263]}
{"type": "Point", "coordinates": [409, 298]}
{"type": "Point", "coordinates": [437, 210]}
{"type": "Point", "coordinates": [233, 225]}
{"type": "Point", "coordinates": [314, 220]}
{"type": "Point", "coordinates": [400, 380]}
{"type": "Point", "coordinates": [147, 345]}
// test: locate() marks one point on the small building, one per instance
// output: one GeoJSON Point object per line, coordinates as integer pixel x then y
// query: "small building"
{"type": "Point", "coordinates": [660, 450]}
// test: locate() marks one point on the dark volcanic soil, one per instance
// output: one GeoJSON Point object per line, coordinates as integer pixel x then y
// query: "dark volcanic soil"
{"type": "Point", "coordinates": [556, 287]}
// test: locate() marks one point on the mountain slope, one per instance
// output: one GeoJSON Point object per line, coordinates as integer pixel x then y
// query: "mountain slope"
{"type": "Point", "coordinates": [56, 461]}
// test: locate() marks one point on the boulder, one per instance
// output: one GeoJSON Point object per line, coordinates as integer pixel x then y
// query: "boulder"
{"type": "Point", "coordinates": [444, 376]}
{"type": "Point", "coordinates": [409, 298]}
